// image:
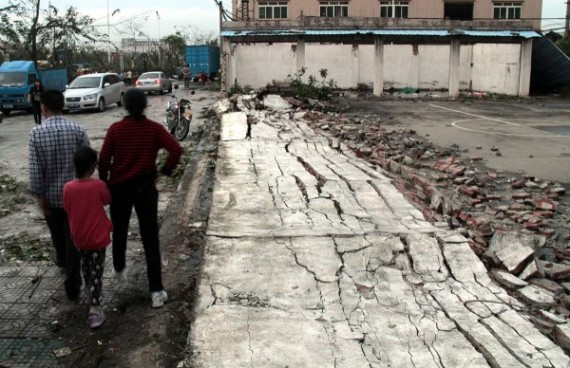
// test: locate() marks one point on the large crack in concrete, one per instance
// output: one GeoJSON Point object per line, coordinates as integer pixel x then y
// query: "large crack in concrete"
{"type": "Point", "coordinates": [439, 300]}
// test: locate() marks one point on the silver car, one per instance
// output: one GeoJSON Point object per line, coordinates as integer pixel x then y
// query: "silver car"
{"type": "Point", "coordinates": [94, 91]}
{"type": "Point", "coordinates": [154, 82]}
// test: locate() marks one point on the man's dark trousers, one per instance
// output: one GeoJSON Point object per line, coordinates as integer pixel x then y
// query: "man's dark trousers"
{"type": "Point", "coordinates": [67, 255]}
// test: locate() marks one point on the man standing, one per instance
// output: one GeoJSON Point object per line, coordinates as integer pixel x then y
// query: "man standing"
{"type": "Point", "coordinates": [129, 78]}
{"type": "Point", "coordinates": [52, 146]}
{"type": "Point", "coordinates": [186, 73]}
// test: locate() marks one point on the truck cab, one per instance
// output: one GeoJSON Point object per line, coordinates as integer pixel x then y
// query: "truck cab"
{"type": "Point", "coordinates": [17, 79]}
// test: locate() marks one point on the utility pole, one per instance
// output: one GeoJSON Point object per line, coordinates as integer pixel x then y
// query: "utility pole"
{"type": "Point", "coordinates": [567, 25]}
{"type": "Point", "coordinates": [108, 35]}
{"type": "Point", "coordinates": [159, 43]}
{"type": "Point", "coordinates": [52, 35]}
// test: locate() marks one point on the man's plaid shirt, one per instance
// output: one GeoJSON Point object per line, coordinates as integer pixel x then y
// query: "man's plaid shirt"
{"type": "Point", "coordinates": [52, 146]}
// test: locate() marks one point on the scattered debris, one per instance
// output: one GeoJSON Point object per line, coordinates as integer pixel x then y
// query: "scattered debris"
{"type": "Point", "coordinates": [13, 195]}
{"type": "Point", "coordinates": [60, 353]}
{"type": "Point", "coordinates": [517, 224]}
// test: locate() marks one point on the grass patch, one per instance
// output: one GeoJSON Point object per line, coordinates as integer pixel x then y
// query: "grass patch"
{"type": "Point", "coordinates": [173, 180]}
{"type": "Point", "coordinates": [25, 247]}
{"type": "Point", "coordinates": [13, 195]}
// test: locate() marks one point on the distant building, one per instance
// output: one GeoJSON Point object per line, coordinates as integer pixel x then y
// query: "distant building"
{"type": "Point", "coordinates": [132, 45]}
{"type": "Point", "coordinates": [479, 45]}
{"type": "Point", "coordinates": [414, 9]}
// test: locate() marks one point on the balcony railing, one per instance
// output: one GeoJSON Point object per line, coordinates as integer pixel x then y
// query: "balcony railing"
{"type": "Point", "coordinates": [380, 23]}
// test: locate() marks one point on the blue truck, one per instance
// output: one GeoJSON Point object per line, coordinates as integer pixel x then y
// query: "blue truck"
{"type": "Point", "coordinates": [17, 79]}
{"type": "Point", "coordinates": [203, 59]}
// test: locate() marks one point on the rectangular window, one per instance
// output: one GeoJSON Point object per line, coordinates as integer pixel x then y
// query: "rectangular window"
{"type": "Point", "coordinates": [458, 11]}
{"type": "Point", "coordinates": [273, 10]}
{"type": "Point", "coordinates": [507, 10]}
{"type": "Point", "coordinates": [394, 9]}
{"type": "Point", "coordinates": [332, 9]}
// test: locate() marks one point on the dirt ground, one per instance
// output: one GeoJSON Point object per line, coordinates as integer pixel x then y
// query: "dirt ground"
{"type": "Point", "coordinates": [134, 335]}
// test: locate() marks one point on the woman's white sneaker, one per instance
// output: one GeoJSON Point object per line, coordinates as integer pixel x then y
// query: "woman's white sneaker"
{"type": "Point", "coordinates": [158, 298]}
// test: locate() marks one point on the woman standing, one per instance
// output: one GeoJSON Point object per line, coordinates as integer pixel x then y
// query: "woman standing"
{"type": "Point", "coordinates": [128, 164]}
{"type": "Point", "coordinates": [34, 98]}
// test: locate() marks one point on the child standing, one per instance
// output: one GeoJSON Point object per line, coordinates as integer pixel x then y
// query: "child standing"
{"type": "Point", "coordinates": [84, 200]}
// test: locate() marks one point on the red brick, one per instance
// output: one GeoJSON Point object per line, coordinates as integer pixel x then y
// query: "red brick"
{"type": "Point", "coordinates": [517, 184]}
{"type": "Point", "coordinates": [522, 195]}
{"type": "Point", "coordinates": [469, 191]}
{"type": "Point", "coordinates": [441, 166]}
{"type": "Point", "coordinates": [547, 232]}
{"type": "Point", "coordinates": [545, 204]}
{"type": "Point", "coordinates": [545, 214]}
{"type": "Point", "coordinates": [455, 170]}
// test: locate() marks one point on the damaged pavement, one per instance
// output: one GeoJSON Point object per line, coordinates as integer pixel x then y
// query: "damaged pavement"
{"type": "Point", "coordinates": [315, 258]}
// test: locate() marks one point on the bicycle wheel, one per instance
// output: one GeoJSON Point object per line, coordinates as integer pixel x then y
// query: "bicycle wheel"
{"type": "Point", "coordinates": [182, 129]}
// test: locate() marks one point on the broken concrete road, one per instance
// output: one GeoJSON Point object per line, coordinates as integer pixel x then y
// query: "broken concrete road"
{"type": "Point", "coordinates": [314, 259]}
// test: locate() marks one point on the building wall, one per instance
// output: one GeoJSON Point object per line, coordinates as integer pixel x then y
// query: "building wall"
{"type": "Point", "coordinates": [483, 67]}
{"type": "Point", "coordinates": [483, 9]}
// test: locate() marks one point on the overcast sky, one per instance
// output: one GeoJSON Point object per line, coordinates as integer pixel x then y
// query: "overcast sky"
{"type": "Point", "coordinates": [202, 14]}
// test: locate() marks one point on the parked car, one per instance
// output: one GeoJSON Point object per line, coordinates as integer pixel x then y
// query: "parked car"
{"type": "Point", "coordinates": [154, 82]}
{"type": "Point", "coordinates": [94, 91]}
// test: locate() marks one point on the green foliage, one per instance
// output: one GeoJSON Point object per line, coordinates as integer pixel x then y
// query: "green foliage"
{"type": "Point", "coordinates": [26, 247]}
{"type": "Point", "coordinates": [30, 32]}
{"type": "Point", "coordinates": [314, 88]}
{"type": "Point", "coordinates": [13, 195]}
{"type": "Point", "coordinates": [564, 45]}
{"type": "Point", "coordinates": [237, 89]}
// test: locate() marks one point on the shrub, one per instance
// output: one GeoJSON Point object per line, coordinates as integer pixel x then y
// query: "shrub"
{"type": "Point", "coordinates": [314, 88]}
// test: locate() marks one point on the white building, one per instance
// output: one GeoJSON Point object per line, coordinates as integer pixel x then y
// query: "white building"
{"type": "Point", "coordinates": [133, 45]}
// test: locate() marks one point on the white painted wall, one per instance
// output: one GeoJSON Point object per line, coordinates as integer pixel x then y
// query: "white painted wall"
{"type": "Point", "coordinates": [260, 64]}
{"type": "Point", "coordinates": [484, 67]}
{"type": "Point", "coordinates": [433, 67]}
{"type": "Point", "coordinates": [341, 62]}
{"type": "Point", "coordinates": [496, 68]}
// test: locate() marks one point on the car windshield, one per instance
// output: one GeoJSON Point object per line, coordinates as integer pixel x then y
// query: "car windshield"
{"type": "Point", "coordinates": [13, 78]}
{"type": "Point", "coordinates": [150, 76]}
{"type": "Point", "coordinates": [86, 82]}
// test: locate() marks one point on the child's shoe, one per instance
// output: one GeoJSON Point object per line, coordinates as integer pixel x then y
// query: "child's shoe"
{"type": "Point", "coordinates": [96, 317]}
{"type": "Point", "coordinates": [158, 298]}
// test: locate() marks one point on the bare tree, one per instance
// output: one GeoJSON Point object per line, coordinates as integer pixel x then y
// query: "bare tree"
{"type": "Point", "coordinates": [24, 23]}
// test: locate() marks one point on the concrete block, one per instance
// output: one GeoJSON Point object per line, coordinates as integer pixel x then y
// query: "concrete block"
{"type": "Point", "coordinates": [513, 249]}
{"type": "Point", "coordinates": [555, 271]}
{"type": "Point", "coordinates": [563, 335]}
{"type": "Point", "coordinates": [536, 296]}
{"type": "Point", "coordinates": [508, 280]}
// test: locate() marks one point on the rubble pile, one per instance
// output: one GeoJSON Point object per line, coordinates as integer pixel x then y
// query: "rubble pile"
{"type": "Point", "coordinates": [519, 226]}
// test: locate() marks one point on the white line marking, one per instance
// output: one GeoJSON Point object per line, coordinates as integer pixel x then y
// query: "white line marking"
{"type": "Point", "coordinates": [477, 116]}
{"type": "Point", "coordinates": [454, 124]}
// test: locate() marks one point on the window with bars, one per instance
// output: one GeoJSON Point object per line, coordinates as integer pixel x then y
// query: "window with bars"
{"type": "Point", "coordinates": [507, 10]}
{"type": "Point", "coordinates": [273, 10]}
{"type": "Point", "coordinates": [334, 9]}
{"type": "Point", "coordinates": [394, 9]}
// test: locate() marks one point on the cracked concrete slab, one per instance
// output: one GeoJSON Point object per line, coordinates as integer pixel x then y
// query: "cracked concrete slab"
{"type": "Point", "coordinates": [314, 259]}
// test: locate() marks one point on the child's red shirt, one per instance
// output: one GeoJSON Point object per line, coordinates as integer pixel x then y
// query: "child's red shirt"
{"type": "Point", "coordinates": [85, 201]}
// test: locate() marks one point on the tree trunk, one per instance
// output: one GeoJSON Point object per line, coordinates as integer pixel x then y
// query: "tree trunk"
{"type": "Point", "coordinates": [34, 35]}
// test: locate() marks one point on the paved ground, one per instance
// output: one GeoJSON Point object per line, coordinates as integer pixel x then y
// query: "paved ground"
{"type": "Point", "coordinates": [532, 135]}
{"type": "Point", "coordinates": [314, 259]}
